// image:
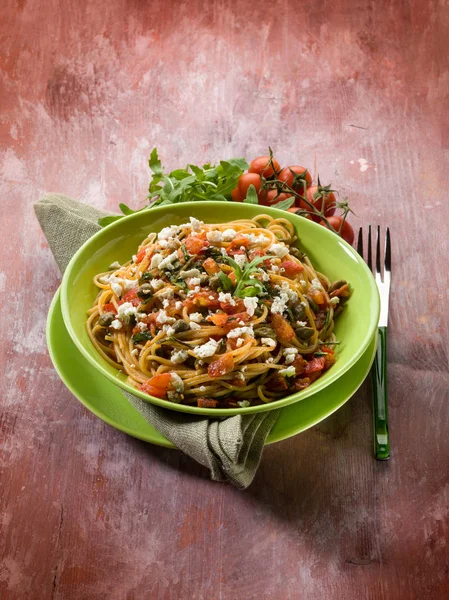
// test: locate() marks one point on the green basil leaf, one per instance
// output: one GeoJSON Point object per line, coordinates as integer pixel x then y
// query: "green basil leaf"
{"type": "Point", "coordinates": [251, 196]}
{"type": "Point", "coordinates": [284, 204]}
{"type": "Point", "coordinates": [155, 163]}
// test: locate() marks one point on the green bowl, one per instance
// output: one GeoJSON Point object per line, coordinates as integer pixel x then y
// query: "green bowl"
{"type": "Point", "coordinates": [355, 327]}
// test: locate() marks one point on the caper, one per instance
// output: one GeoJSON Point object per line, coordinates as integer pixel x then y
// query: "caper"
{"type": "Point", "coordinates": [265, 331]}
{"type": "Point", "coordinates": [106, 319]}
{"type": "Point", "coordinates": [299, 311]}
{"type": "Point", "coordinates": [179, 326]}
{"type": "Point", "coordinates": [313, 305]}
{"type": "Point", "coordinates": [337, 285]}
{"type": "Point", "coordinates": [214, 282]}
{"type": "Point", "coordinates": [145, 291]}
{"type": "Point", "coordinates": [304, 333]}
{"type": "Point", "coordinates": [297, 253]}
{"type": "Point", "coordinates": [173, 396]}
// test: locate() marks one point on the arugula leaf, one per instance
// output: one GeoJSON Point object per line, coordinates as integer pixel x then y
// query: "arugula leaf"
{"type": "Point", "coordinates": [226, 283]}
{"type": "Point", "coordinates": [126, 210]}
{"type": "Point", "coordinates": [155, 163]}
{"type": "Point", "coordinates": [284, 204]}
{"type": "Point", "coordinates": [251, 196]}
{"type": "Point", "coordinates": [143, 336]}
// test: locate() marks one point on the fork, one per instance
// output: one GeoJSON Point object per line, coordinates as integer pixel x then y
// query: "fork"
{"type": "Point", "coordinates": [379, 369]}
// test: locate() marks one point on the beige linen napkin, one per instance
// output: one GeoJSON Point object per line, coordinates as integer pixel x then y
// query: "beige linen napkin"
{"type": "Point", "coordinates": [230, 447]}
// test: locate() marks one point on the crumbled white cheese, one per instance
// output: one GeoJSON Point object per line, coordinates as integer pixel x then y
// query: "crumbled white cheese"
{"type": "Point", "coordinates": [250, 305]}
{"type": "Point", "coordinates": [223, 251]}
{"type": "Point", "coordinates": [126, 311]}
{"type": "Point", "coordinates": [240, 342]}
{"type": "Point", "coordinates": [229, 235]}
{"type": "Point", "coordinates": [256, 239]}
{"type": "Point", "coordinates": [169, 330]}
{"type": "Point", "coordinates": [316, 284]}
{"type": "Point", "coordinates": [288, 372]}
{"type": "Point", "coordinates": [279, 249]}
{"type": "Point", "coordinates": [214, 236]}
{"type": "Point", "coordinates": [116, 324]}
{"type": "Point", "coordinates": [290, 354]}
{"type": "Point", "coordinates": [115, 265]}
{"type": "Point", "coordinates": [164, 318]}
{"type": "Point", "coordinates": [155, 261]}
{"type": "Point", "coordinates": [242, 323]}
{"type": "Point", "coordinates": [265, 276]}
{"type": "Point", "coordinates": [178, 305]}
{"type": "Point", "coordinates": [240, 259]}
{"type": "Point", "coordinates": [335, 300]}
{"type": "Point", "coordinates": [211, 297]}
{"type": "Point", "coordinates": [301, 323]}
{"type": "Point", "coordinates": [222, 297]}
{"type": "Point", "coordinates": [195, 281]}
{"type": "Point", "coordinates": [168, 293]}
{"type": "Point", "coordinates": [207, 349]}
{"type": "Point", "coordinates": [279, 303]}
{"type": "Point", "coordinates": [178, 356]}
{"type": "Point", "coordinates": [142, 326]}
{"type": "Point", "coordinates": [270, 360]}
{"type": "Point", "coordinates": [168, 232]}
{"type": "Point", "coordinates": [190, 273]}
{"type": "Point", "coordinates": [165, 303]}
{"type": "Point", "coordinates": [157, 284]}
{"type": "Point", "coordinates": [135, 352]}
{"type": "Point", "coordinates": [195, 224]}
{"type": "Point", "coordinates": [116, 288]}
{"type": "Point", "coordinates": [239, 331]}
{"type": "Point", "coordinates": [196, 317]}
{"type": "Point", "coordinates": [202, 388]}
{"type": "Point", "coordinates": [292, 295]}
{"type": "Point", "coordinates": [194, 326]}
{"type": "Point", "coordinates": [163, 243]}
{"type": "Point", "coordinates": [274, 268]}
{"type": "Point", "coordinates": [177, 382]}
{"type": "Point", "coordinates": [166, 263]}
{"type": "Point", "coordinates": [243, 403]}
{"type": "Point", "coordinates": [268, 342]}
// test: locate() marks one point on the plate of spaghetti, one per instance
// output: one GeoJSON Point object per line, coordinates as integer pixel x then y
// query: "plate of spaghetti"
{"type": "Point", "coordinates": [203, 314]}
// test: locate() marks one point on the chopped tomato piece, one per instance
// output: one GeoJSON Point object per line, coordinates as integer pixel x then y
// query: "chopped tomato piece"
{"type": "Point", "coordinates": [317, 296]}
{"type": "Point", "coordinates": [232, 277]}
{"type": "Point", "coordinates": [232, 309]}
{"type": "Point", "coordinates": [299, 364]}
{"type": "Point", "coordinates": [342, 292]}
{"type": "Point", "coordinates": [219, 319]}
{"type": "Point", "coordinates": [203, 299]}
{"type": "Point", "coordinates": [301, 383]}
{"type": "Point", "coordinates": [211, 266]}
{"type": "Point", "coordinates": [277, 384]}
{"type": "Point", "coordinates": [314, 365]}
{"type": "Point", "coordinates": [157, 386]}
{"type": "Point", "coordinates": [291, 268]}
{"type": "Point", "coordinates": [110, 308]}
{"type": "Point", "coordinates": [207, 403]}
{"type": "Point", "coordinates": [252, 254]}
{"type": "Point", "coordinates": [238, 241]}
{"type": "Point", "coordinates": [225, 364]}
{"type": "Point", "coordinates": [283, 329]}
{"type": "Point", "coordinates": [195, 243]}
{"type": "Point", "coordinates": [132, 297]}
{"type": "Point", "coordinates": [141, 255]}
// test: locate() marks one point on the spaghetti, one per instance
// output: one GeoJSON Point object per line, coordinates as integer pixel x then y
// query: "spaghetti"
{"type": "Point", "coordinates": [222, 315]}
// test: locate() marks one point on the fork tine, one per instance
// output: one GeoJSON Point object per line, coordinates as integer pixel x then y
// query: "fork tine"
{"type": "Point", "coordinates": [387, 251]}
{"type": "Point", "coordinates": [369, 260]}
{"type": "Point", "coordinates": [360, 242]}
{"type": "Point", "coordinates": [378, 265]}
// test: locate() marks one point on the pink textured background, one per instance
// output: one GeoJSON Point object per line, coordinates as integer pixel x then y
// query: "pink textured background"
{"type": "Point", "coordinates": [356, 90]}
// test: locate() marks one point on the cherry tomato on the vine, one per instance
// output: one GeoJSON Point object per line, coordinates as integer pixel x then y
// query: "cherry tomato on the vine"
{"type": "Point", "coordinates": [246, 180]}
{"type": "Point", "coordinates": [323, 200]}
{"type": "Point", "coordinates": [298, 178]}
{"type": "Point", "coordinates": [273, 197]}
{"type": "Point", "coordinates": [235, 195]}
{"type": "Point", "coordinates": [347, 232]}
{"type": "Point", "coordinates": [264, 166]}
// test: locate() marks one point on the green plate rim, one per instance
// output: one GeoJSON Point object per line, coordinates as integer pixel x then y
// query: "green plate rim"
{"type": "Point", "coordinates": [216, 412]}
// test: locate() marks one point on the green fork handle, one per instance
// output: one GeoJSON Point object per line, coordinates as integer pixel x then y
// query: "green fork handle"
{"type": "Point", "coordinates": [380, 399]}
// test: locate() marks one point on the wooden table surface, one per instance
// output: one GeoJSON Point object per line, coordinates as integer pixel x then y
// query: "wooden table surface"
{"type": "Point", "coordinates": [359, 92]}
